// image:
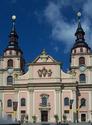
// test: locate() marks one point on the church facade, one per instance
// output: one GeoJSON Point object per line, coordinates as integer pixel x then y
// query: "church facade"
{"type": "Point", "coordinates": [45, 93]}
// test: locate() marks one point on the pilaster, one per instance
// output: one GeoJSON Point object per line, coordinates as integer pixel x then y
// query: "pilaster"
{"type": "Point", "coordinates": [59, 103]}
{"type": "Point", "coordinates": [16, 98]}
{"type": "Point", "coordinates": [74, 105]}
{"type": "Point", "coordinates": [30, 100]}
{"type": "Point", "coordinates": [1, 104]}
{"type": "Point", "coordinates": [91, 106]}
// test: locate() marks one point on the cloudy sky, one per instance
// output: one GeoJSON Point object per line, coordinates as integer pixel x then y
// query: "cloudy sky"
{"type": "Point", "coordinates": [48, 24]}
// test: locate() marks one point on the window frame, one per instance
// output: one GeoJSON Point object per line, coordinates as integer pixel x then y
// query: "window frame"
{"type": "Point", "coordinates": [81, 60]}
{"type": "Point", "coordinates": [10, 63]}
{"type": "Point", "coordinates": [9, 80]}
{"type": "Point", "coordinates": [66, 101]}
{"type": "Point", "coordinates": [23, 102]}
{"type": "Point", "coordinates": [83, 102]}
{"type": "Point", "coordinates": [82, 78]}
{"type": "Point", "coordinates": [9, 103]}
{"type": "Point", "coordinates": [44, 100]}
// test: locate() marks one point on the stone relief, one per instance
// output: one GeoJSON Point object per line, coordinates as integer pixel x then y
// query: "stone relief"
{"type": "Point", "coordinates": [44, 72]}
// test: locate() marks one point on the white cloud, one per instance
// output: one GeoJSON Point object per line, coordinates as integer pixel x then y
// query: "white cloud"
{"type": "Point", "coordinates": [61, 30]}
{"type": "Point", "coordinates": [87, 8]}
{"type": "Point", "coordinates": [64, 31]}
{"type": "Point", "coordinates": [52, 12]}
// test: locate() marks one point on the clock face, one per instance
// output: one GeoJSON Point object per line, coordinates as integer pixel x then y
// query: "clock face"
{"type": "Point", "coordinates": [10, 70]}
{"type": "Point", "coordinates": [82, 68]}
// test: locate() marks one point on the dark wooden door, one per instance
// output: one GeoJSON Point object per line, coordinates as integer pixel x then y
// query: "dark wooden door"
{"type": "Point", "coordinates": [83, 117]}
{"type": "Point", "coordinates": [44, 116]}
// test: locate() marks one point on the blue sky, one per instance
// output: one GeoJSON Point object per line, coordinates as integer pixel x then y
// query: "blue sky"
{"type": "Point", "coordinates": [48, 24]}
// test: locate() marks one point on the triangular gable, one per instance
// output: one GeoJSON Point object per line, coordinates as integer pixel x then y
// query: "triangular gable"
{"type": "Point", "coordinates": [44, 58]}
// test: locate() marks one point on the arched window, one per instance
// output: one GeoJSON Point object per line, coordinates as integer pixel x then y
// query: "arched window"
{"type": "Point", "coordinates": [81, 61]}
{"type": "Point", "coordinates": [83, 102]}
{"type": "Point", "coordinates": [74, 50]}
{"type": "Point", "coordinates": [81, 49]}
{"type": "Point", "coordinates": [9, 103]}
{"type": "Point", "coordinates": [44, 100]}
{"type": "Point", "coordinates": [82, 78]}
{"type": "Point", "coordinates": [66, 101]}
{"type": "Point", "coordinates": [9, 80]}
{"type": "Point", "coordinates": [23, 102]}
{"type": "Point", "coordinates": [10, 63]}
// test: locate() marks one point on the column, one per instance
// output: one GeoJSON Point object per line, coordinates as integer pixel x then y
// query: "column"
{"type": "Point", "coordinates": [1, 104]}
{"type": "Point", "coordinates": [91, 107]}
{"type": "Point", "coordinates": [74, 106]}
{"type": "Point", "coordinates": [16, 99]}
{"type": "Point", "coordinates": [30, 104]}
{"type": "Point", "coordinates": [61, 114]}
{"type": "Point", "coordinates": [59, 103]}
{"type": "Point", "coordinates": [1, 108]}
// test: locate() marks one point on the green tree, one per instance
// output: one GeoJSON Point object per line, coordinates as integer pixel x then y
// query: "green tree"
{"type": "Point", "coordinates": [56, 118]}
{"type": "Point", "coordinates": [64, 118]}
{"type": "Point", "coordinates": [34, 119]}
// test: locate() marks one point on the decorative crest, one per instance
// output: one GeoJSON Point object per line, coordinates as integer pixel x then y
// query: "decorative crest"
{"type": "Point", "coordinates": [44, 72]}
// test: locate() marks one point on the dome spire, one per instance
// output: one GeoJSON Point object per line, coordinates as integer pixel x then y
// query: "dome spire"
{"type": "Point", "coordinates": [80, 41]}
{"type": "Point", "coordinates": [13, 34]}
{"type": "Point", "coordinates": [13, 37]}
{"type": "Point", "coordinates": [79, 32]}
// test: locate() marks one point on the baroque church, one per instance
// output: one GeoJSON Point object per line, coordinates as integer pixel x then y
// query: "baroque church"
{"type": "Point", "coordinates": [45, 93]}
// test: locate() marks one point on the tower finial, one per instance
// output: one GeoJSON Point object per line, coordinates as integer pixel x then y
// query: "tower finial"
{"type": "Point", "coordinates": [79, 15]}
{"type": "Point", "coordinates": [13, 20]}
{"type": "Point", "coordinates": [13, 17]}
{"type": "Point", "coordinates": [79, 23]}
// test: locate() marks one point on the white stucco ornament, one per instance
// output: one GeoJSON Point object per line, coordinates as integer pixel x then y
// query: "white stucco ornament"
{"type": "Point", "coordinates": [13, 17]}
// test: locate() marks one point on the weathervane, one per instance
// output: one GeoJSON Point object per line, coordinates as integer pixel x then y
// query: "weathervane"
{"type": "Point", "coordinates": [13, 19]}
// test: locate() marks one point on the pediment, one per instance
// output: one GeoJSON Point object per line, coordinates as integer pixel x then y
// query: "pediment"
{"type": "Point", "coordinates": [44, 58]}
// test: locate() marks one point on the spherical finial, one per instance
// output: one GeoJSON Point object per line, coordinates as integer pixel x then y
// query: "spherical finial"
{"type": "Point", "coordinates": [13, 17]}
{"type": "Point", "coordinates": [79, 14]}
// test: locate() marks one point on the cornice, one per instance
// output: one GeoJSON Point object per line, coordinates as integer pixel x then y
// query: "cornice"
{"type": "Point", "coordinates": [80, 54]}
{"type": "Point", "coordinates": [45, 63]}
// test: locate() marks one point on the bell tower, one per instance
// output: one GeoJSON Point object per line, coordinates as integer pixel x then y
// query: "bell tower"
{"type": "Point", "coordinates": [81, 56]}
{"type": "Point", "coordinates": [12, 62]}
